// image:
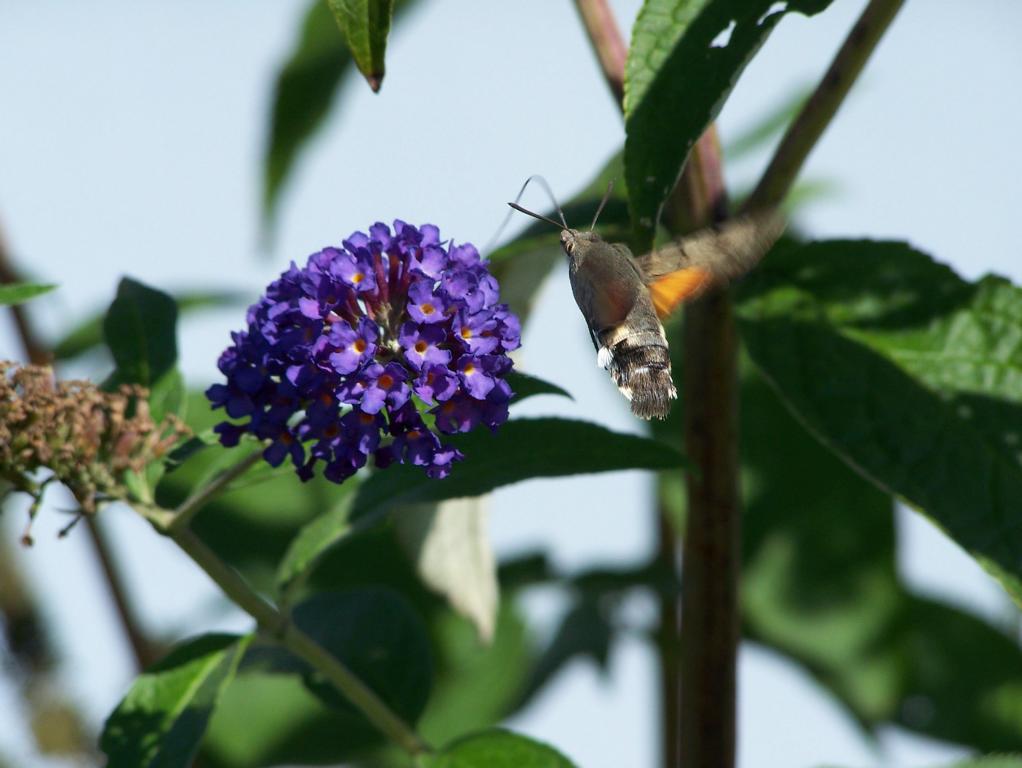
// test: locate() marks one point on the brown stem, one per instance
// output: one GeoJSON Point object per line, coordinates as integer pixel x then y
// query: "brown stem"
{"type": "Point", "coordinates": [711, 560]}
{"type": "Point", "coordinates": [38, 353]}
{"type": "Point", "coordinates": [697, 685]}
{"type": "Point", "coordinates": [142, 649]}
{"type": "Point", "coordinates": [35, 350]}
{"type": "Point", "coordinates": [807, 128]}
{"type": "Point", "coordinates": [711, 556]}
{"type": "Point", "coordinates": [607, 43]}
{"type": "Point", "coordinates": [668, 647]}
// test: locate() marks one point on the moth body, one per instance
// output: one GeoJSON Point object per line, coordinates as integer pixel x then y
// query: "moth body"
{"type": "Point", "coordinates": [623, 298]}
{"type": "Point", "coordinates": [631, 344]}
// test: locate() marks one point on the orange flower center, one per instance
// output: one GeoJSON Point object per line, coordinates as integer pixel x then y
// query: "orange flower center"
{"type": "Point", "coordinates": [469, 369]}
{"type": "Point", "coordinates": [421, 347]}
{"type": "Point", "coordinates": [466, 333]}
{"type": "Point", "coordinates": [357, 278]}
{"type": "Point", "coordinates": [427, 309]}
{"type": "Point", "coordinates": [359, 345]}
{"type": "Point", "coordinates": [386, 381]}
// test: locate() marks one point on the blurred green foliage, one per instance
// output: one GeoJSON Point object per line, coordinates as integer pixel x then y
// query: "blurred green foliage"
{"type": "Point", "coordinates": [873, 374]}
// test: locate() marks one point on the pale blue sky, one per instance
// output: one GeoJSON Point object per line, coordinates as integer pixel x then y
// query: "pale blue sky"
{"type": "Point", "coordinates": [131, 141]}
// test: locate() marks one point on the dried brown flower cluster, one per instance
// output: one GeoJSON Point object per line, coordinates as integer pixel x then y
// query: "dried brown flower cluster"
{"type": "Point", "coordinates": [86, 437]}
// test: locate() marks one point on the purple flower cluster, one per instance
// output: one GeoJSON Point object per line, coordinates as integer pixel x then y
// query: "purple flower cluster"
{"type": "Point", "coordinates": [342, 358]}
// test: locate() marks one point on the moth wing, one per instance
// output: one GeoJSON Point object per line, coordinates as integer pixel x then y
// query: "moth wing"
{"type": "Point", "coordinates": [683, 270]}
{"type": "Point", "coordinates": [604, 298]}
{"type": "Point", "coordinates": [674, 288]}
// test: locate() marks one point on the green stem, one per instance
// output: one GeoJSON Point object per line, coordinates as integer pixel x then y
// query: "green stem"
{"type": "Point", "coordinates": [277, 626]}
{"type": "Point", "coordinates": [184, 513]}
{"type": "Point", "coordinates": [269, 618]}
{"type": "Point", "coordinates": [807, 128]}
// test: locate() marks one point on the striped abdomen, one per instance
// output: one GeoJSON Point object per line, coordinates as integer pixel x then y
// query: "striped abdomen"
{"type": "Point", "coordinates": [639, 361]}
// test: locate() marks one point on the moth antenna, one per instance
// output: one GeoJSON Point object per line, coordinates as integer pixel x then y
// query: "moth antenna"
{"type": "Point", "coordinates": [603, 202]}
{"type": "Point", "coordinates": [549, 192]}
{"type": "Point", "coordinates": [534, 215]}
{"type": "Point", "coordinates": [518, 197]}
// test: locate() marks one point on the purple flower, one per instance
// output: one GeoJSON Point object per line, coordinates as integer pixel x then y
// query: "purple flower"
{"type": "Point", "coordinates": [383, 385]}
{"type": "Point", "coordinates": [341, 357]}
{"type": "Point", "coordinates": [425, 303]}
{"type": "Point", "coordinates": [477, 332]}
{"type": "Point", "coordinates": [436, 382]}
{"type": "Point", "coordinates": [421, 345]}
{"type": "Point", "coordinates": [355, 270]}
{"type": "Point", "coordinates": [351, 347]}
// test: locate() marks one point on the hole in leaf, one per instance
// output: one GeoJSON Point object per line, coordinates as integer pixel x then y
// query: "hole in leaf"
{"type": "Point", "coordinates": [776, 7]}
{"type": "Point", "coordinates": [724, 36]}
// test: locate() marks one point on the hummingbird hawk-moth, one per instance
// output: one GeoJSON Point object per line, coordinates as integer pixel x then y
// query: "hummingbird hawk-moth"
{"type": "Point", "coordinates": [625, 299]}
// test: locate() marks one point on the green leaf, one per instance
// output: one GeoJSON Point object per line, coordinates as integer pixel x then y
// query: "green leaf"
{"type": "Point", "coordinates": [498, 749]}
{"type": "Point", "coordinates": [190, 447]}
{"type": "Point", "coordinates": [960, 679]}
{"type": "Point", "coordinates": [678, 75]}
{"type": "Point", "coordinates": [585, 631]}
{"type": "Point", "coordinates": [140, 328]}
{"type": "Point", "coordinates": [161, 721]}
{"type": "Point", "coordinates": [477, 683]}
{"type": "Point", "coordinates": [376, 635]}
{"type": "Point", "coordinates": [449, 544]}
{"type": "Point", "coordinates": [89, 334]}
{"type": "Point", "coordinates": [19, 293]}
{"type": "Point", "coordinates": [304, 91]}
{"type": "Point", "coordinates": [909, 373]}
{"type": "Point", "coordinates": [251, 524]}
{"type": "Point", "coordinates": [522, 449]}
{"type": "Point", "coordinates": [525, 386]}
{"type": "Point", "coordinates": [365, 25]}
{"type": "Point", "coordinates": [819, 575]}
{"type": "Point", "coordinates": [306, 87]}
{"type": "Point", "coordinates": [312, 541]}
{"type": "Point", "coordinates": [269, 719]}
{"type": "Point", "coordinates": [820, 584]}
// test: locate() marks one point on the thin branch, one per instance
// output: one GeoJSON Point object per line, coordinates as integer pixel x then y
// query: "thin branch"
{"type": "Point", "coordinates": [697, 670]}
{"type": "Point", "coordinates": [277, 626]}
{"type": "Point", "coordinates": [35, 350]}
{"type": "Point", "coordinates": [38, 353]}
{"type": "Point", "coordinates": [270, 618]}
{"type": "Point", "coordinates": [184, 513]}
{"type": "Point", "coordinates": [145, 652]}
{"type": "Point", "coordinates": [607, 43]}
{"type": "Point", "coordinates": [819, 110]}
